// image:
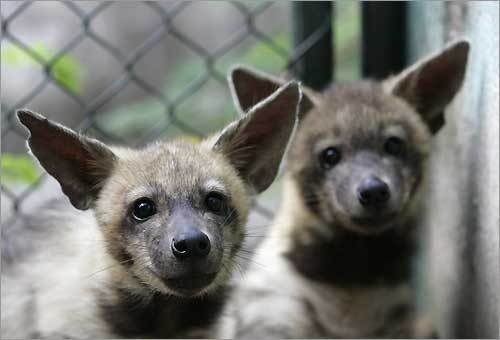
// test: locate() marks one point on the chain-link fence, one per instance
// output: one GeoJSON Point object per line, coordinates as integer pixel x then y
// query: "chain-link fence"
{"type": "Point", "coordinates": [133, 72]}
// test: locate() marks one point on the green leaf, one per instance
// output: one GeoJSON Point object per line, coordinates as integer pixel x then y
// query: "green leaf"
{"type": "Point", "coordinates": [67, 70]}
{"type": "Point", "coordinates": [13, 55]}
{"type": "Point", "coordinates": [18, 168]}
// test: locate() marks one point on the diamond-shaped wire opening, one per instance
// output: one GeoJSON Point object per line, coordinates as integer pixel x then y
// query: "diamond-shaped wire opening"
{"type": "Point", "coordinates": [46, 40]}
{"type": "Point", "coordinates": [19, 70]}
{"type": "Point", "coordinates": [130, 115]}
{"type": "Point", "coordinates": [99, 71]}
{"type": "Point", "coordinates": [179, 66]}
{"type": "Point", "coordinates": [221, 19]}
{"type": "Point", "coordinates": [208, 109]}
{"type": "Point", "coordinates": [252, 51]}
{"type": "Point", "coordinates": [29, 47]}
{"type": "Point", "coordinates": [65, 110]}
{"type": "Point", "coordinates": [118, 26]}
{"type": "Point", "coordinates": [61, 68]}
{"type": "Point", "coordinates": [276, 24]}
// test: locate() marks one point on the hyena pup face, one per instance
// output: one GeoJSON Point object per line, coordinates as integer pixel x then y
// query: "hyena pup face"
{"type": "Point", "coordinates": [360, 150]}
{"type": "Point", "coordinates": [358, 157]}
{"type": "Point", "coordinates": [173, 213]}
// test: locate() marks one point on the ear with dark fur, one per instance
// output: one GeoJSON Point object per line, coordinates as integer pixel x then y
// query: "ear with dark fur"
{"type": "Point", "coordinates": [78, 163]}
{"type": "Point", "coordinates": [256, 143]}
{"type": "Point", "coordinates": [248, 87]}
{"type": "Point", "coordinates": [430, 84]}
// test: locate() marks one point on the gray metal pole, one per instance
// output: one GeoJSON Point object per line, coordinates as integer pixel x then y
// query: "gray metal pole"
{"type": "Point", "coordinates": [312, 33]}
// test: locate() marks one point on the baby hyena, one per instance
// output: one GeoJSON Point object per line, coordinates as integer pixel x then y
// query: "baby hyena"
{"type": "Point", "coordinates": [152, 255]}
{"type": "Point", "coordinates": [337, 260]}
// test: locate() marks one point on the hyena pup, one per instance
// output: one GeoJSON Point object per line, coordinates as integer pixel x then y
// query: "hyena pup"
{"type": "Point", "coordinates": [337, 260]}
{"type": "Point", "coordinates": [152, 255]}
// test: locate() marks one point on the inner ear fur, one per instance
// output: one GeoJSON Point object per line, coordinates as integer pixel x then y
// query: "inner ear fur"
{"type": "Point", "coordinates": [430, 84]}
{"type": "Point", "coordinates": [80, 164]}
{"type": "Point", "coordinates": [249, 87]}
{"type": "Point", "coordinates": [255, 144]}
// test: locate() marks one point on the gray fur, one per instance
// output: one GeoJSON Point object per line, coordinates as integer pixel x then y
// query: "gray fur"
{"type": "Point", "coordinates": [102, 273]}
{"type": "Point", "coordinates": [332, 267]}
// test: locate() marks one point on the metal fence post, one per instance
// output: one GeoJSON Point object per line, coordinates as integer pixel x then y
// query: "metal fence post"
{"type": "Point", "coordinates": [313, 19]}
{"type": "Point", "coordinates": [384, 36]}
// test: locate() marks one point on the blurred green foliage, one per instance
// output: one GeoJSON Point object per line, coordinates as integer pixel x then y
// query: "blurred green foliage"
{"type": "Point", "coordinates": [19, 169]}
{"type": "Point", "coordinates": [207, 109]}
{"type": "Point", "coordinates": [67, 71]}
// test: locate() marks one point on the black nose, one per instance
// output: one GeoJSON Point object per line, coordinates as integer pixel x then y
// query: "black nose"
{"type": "Point", "coordinates": [373, 192]}
{"type": "Point", "coordinates": [192, 242]}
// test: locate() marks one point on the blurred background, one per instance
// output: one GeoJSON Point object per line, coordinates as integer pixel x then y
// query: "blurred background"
{"type": "Point", "coordinates": [132, 72]}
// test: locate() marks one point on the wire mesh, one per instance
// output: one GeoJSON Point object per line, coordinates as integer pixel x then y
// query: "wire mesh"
{"type": "Point", "coordinates": [89, 109]}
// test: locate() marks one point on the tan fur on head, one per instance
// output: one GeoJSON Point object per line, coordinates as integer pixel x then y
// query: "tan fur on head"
{"type": "Point", "coordinates": [174, 178]}
{"type": "Point", "coordinates": [167, 223]}
{"type": "Point", "coordinates": [169, 167]}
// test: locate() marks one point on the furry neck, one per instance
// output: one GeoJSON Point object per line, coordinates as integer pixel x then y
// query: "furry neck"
{"type": "Point", "coordinates": [158, 315]}
{"type": "Point", "coordinates": [131, 309]}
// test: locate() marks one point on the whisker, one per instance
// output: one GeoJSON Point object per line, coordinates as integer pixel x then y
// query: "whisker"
{"type": "Point", "coordinates": [237, 266]}
{"type": "Point", "coordinates": [250, 260]}
{"type": "Point", "coordinates": [228, 217]}
{"type": "Point", "coordinates": [107, 268]}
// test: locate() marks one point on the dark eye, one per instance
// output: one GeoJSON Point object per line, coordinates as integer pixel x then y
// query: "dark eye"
{"type": "Point", "coordinates": [329, 157]}
{"type": "Point", "coordinates": [215, 202]}
{"type": "Point", "coordinates": [394, 146]}
{"type": "Point", "coordinates": [143, 208]}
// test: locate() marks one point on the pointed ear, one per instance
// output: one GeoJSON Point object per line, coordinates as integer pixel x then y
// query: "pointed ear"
{"type": "Point", "coordinates": [256, 143]}
{"type": "Point", "coordinates": [430, 84]}
{"type": "Point", "coordinates": [78, 163]}
{"type": "Point", "coordinates": [248, 87]}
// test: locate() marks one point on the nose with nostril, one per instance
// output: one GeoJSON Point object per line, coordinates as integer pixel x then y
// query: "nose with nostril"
{"type": "Point", "coordinates": [191, 243]}
{"type": "Point", "coordinates": [373, 192]}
